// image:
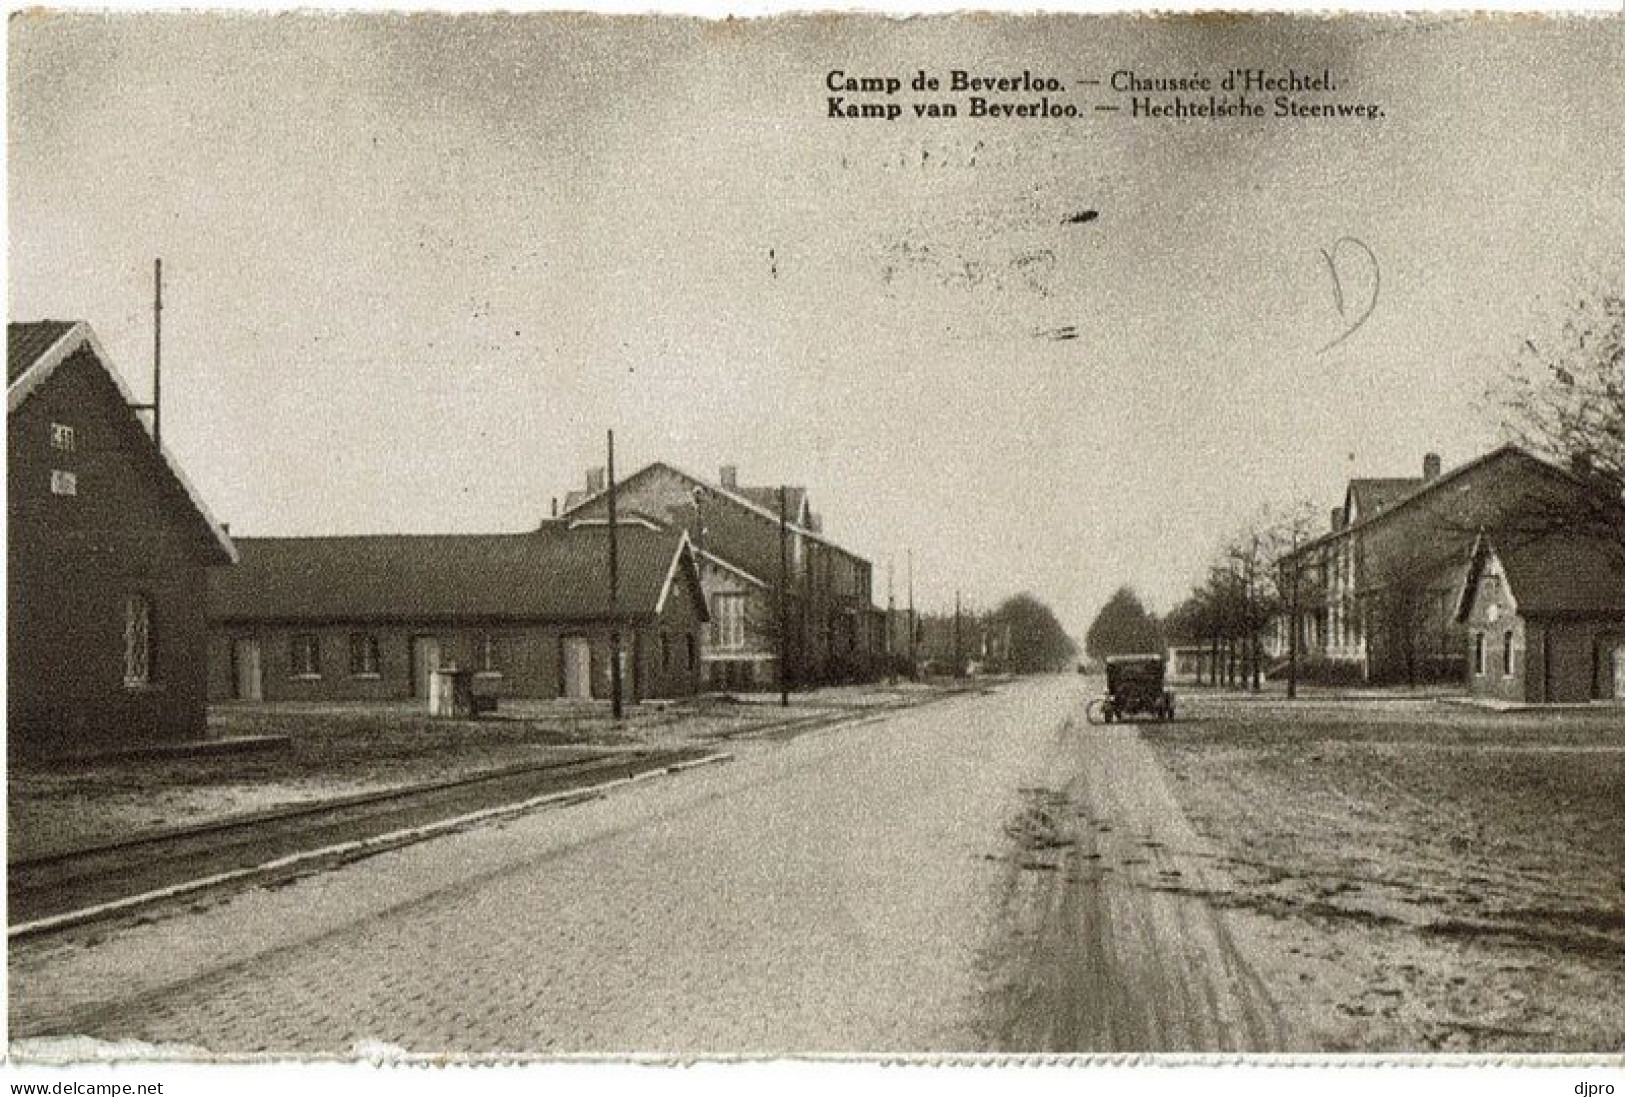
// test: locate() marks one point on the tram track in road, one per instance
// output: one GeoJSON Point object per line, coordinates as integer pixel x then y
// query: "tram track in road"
{"type": "Point", "coordinates": [57, 890]}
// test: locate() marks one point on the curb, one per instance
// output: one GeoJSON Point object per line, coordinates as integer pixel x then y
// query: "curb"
{"type": "Point", "coordinates": [346, 850]}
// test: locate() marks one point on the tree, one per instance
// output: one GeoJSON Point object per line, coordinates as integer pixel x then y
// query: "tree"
{"type": "Point", "coordinates": [1563, 396]}
{"type": "Point", "coordinates": [1032, 636]}
{"type": "Point", "coordinates": [1123, 627]}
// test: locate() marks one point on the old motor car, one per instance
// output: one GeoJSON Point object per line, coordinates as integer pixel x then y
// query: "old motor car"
{"type": "Point", "coordinates": [1134, 687]}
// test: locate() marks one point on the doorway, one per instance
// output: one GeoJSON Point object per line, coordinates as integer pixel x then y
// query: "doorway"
{"type": "Point", "coordinates": [247, 674]}
{"type": "Point", "coordinates": [577, 668]}
{"type": "Point", "coordinates": [425, 661]}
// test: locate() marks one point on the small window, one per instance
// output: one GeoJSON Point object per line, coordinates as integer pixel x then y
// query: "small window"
{"type": "Point", "coordinates": [363, 655]}
{"type": "Point", "coordinates": [305, 656]}
{"type": "Point", "coordinates": [665, 651]}
{"type": "Point", "coordinates": [1506, 654]}
{"type": "Point", "coordinates": [64, 483]}
{"type": "Point", "coordinates": [137, 640]}
{"type": "Point", "coordinates": [693, 654]}
{"type": "Point", "coordinates": [488, 655]}
{"type": "Point", "coordinates": [62, 437]}
{"type": "Point", "coordinates": [1478, 654]}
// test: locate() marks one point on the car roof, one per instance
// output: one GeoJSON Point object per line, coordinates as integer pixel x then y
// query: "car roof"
{"type": "Point", "coordinates": [1117, 660]}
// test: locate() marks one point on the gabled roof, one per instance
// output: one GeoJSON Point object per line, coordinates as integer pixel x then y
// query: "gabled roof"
{"type": "Point", "coordinates": [576, 500]}
{"type": "Point", "coordinates": [554, 574]}
{"type": "Point", "coordinates": [1368, 497]}
{"type": "Point", "coordinates": [1559, 574]}
{"type": "Point", "coordinates": [35, 350]}
{"type": "Point", "coordinates": [795, 501]}
{"type": "Point", "coordinates": [1395, 499]}
{"type": "Point", "coordinates": [26, 343]}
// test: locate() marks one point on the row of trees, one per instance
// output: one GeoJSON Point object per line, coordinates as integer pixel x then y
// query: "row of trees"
{"type": "Point", "coordinates": [1246, 588]}
{"type": "Point", "coordinates": [1021, 636]}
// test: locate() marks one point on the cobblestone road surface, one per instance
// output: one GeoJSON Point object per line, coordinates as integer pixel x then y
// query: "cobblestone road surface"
{"type": "Point", "coordinates": [845, 891]}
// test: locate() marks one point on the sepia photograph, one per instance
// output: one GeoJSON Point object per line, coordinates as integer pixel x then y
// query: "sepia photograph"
{"type": "Point", "coordinates": [537, 537]}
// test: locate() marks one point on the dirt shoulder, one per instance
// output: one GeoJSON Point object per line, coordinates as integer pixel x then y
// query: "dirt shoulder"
{"type": "Point", "coordinates": [1423, 877]}
{"type": "Point", "coordinates": [1108, 940]}
{"type": "Point", "coordinates": [335, 751]}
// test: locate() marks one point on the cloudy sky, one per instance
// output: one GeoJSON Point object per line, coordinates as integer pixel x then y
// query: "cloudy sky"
{"type": "Point", "coordinates": [416, 266]}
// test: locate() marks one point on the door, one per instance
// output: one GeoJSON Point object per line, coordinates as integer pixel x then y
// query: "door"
{"type": "Point", "coordinates": [425, 661]}
{"type": "Point", "coordinates": [577, 668]}
{"type": "Point", "coordinates": [248, 682]}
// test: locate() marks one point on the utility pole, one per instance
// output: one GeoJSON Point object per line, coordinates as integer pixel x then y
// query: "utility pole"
{"type": "Point", "coordinates": [891, 609]}
{"type": "Point", "coordinates": [614, 594]}
{"type": "Point", "coordinates": [784, 588]}
{"type": "Point", "coordinates": [1292, 622]}
{"type": "Point", "coordinates": [157, 351]}
{"type": "Point", "coordinates": [913, 626]}
{"type": "Point", "coordinates": [959, 665]}
{"type": "Point", "coordinates": [157, 355]}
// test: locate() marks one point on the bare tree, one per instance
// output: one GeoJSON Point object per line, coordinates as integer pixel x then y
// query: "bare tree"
{"type": "Point", "coordinates": [1563, 396]}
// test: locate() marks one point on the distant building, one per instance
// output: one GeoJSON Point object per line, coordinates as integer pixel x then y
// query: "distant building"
{"type": "Point", "coordinates": [1379, 592]}
{"type": "Point", "coordinates": [1545, 620]}
{"type": "Point", "coordinates": [108, 549]}
{"type": "Point", "coordinates": [372, 618]}
{"type": "Point", "coordinates": [836, 632]}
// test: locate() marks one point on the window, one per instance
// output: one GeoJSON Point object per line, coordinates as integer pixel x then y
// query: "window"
{"type": "Point", "coordinates": [488, 655]}
{"type": "Point", "coordinates": [1478, 654]}
{"type": "Point", "coordinates": [363, 655]}
{"type": "Point", "coordinates": [305, 656]}
{"type": "Point", "coordinates": [64, 483]}
{"type": "Point", "coordinates": [693, 654]}
{"type": "Point", "coordinates": [137, 640]}
{"type": "Point", "coordinates": [62, 437]}
{"type": "Point", "coordinates": [728, 621]}
{"type": "Point", "coordinates": [1506, 653]}
{"type": "Point", "coordinates": [665, 651]}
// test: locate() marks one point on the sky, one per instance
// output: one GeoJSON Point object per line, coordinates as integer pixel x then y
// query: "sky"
{"type": "Point", "coordinates": [415, 267]}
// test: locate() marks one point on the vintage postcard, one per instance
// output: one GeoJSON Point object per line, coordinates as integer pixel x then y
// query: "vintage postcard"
{"type": "Point", "coordinates": [536, 536]}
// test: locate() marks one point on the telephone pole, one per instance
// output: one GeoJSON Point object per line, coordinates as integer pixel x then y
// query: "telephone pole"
{"type": "Point", "coordinates": [891, 610]}
{"type": "Point", "coordinates": [156, 407]}
{"type": "Point", "coordinates": [614, 594]}
{"type": "Point", "coordinates": [913, 626]}
{"type": "Point", "coordinates": [959, 664]}
{"type": "Point", "coordinates": [784, 588]}
{"type": "Point", "coordinates": [157, 351]}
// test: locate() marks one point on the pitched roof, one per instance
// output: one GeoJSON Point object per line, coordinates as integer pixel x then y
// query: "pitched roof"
{"type": "Point", "coordinates": [575, 500]}
{"type": "Point", "coordinates": [554, 574]}
{"type": "Point", "coordinates": [35, 350]}
{"type": "Point", "coordinates": [1558, 574]}
{"type": "Point", "coordinates": [1395, 497]}
{"type": "Point", "coordinates": [26, 343]}
{"type": "Point", "coordinates": [1373, 495]}
{"type": "Point", "coordinates": [768, 499]}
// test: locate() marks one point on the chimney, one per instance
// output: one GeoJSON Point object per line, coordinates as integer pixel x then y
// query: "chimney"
{"type": "Point", "coordinates": [555, 506]}
{"type": "Point", "coordinates": [729, 475]}
{"type": "Point", "coordinates": [1430, 467]}
{"type": "Point", "coordinates": [595, 481]}
{"type": "Point", "coordinates": [1337, 519]}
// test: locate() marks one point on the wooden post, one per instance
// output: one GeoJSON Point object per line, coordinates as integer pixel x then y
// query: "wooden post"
{"type": "Point", "coordinates": [784, 594]}
{"type": "Point", "coordinates": [157, 351]}
{"type": "Point", "coordinates": [913, 625]}
{"type": "Point", "coordinates": [614, 594]}
{"type": "Point", "coordinates": [958, 656]}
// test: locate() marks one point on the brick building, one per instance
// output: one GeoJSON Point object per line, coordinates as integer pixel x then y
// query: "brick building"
{"type": "Point", "coordinates": [108, 548]}
{"type": "Point", "coordinates": [837, 634]}
{"type": "Point", "coordinates": [1545, 620]}
{"type": "Point", "coordinates": [371, 618]}
{"type": "Point", "coordinates": [1381, 590]}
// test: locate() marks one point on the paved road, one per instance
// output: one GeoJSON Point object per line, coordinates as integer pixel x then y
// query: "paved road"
{"type": "Point", "coordinates": [870, 888]}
